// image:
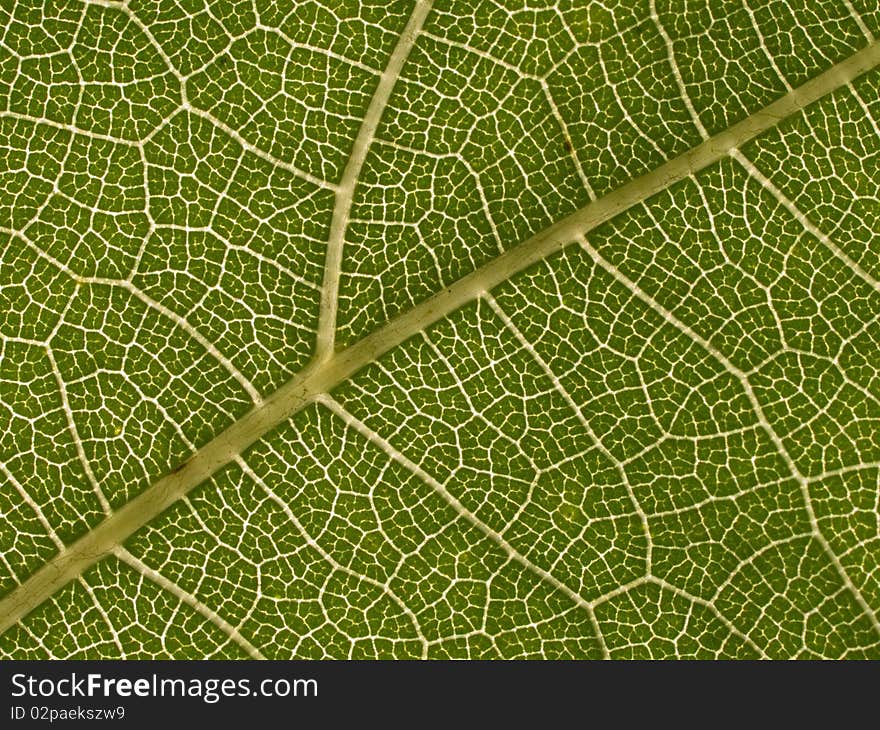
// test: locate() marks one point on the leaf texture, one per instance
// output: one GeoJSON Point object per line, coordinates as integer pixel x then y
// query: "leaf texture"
{"type": "Point", "coordinates": [440, 329]}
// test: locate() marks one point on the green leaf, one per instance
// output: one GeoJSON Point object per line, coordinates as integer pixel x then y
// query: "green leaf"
{"type": "Point", "coordinates": [440, 329]}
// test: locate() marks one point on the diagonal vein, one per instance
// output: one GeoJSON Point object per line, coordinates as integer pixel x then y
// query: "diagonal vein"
{"type": "Point", "coordinates": [351, 173]}
{"type": "Point", "coordinates": [495, 537]}
{"type": "Point", "coordinates": [181, 595]}
{"type": "Point", "coordinates": [322, 375]}
{"type": "Point", "coordinates": [763, 422]}
{"type": "Point", "coordinates": [801, 218]}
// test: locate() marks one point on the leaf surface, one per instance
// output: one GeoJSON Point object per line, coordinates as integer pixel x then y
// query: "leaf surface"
{"type": "Point", "coordinates": [434, 329]}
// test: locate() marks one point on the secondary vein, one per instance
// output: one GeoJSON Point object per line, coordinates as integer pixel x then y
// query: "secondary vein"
{"type": "Point", "coordinates": [351, 174]}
